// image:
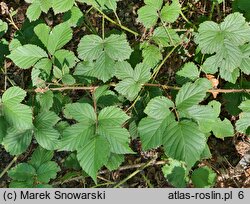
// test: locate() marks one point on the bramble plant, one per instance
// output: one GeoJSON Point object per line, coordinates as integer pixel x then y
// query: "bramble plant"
{"type": "Point", "coordinates": [90, 92]}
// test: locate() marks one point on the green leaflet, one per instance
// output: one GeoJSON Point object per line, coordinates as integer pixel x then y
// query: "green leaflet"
{"type": "Point", "coordinates": [189, 72]}
{"type": "Point", "coordinates": [192, 93]}
{"type": "Point", "coordinates": [3, 28]}
{"type": "Point", "coordinates": [170, 12]}
{"type": "Point", "coordinates": [74, 17]}
{"type": "Point", "coordinates": [60, 6]}
{"type": "Point", "coordinates": [38, 6]}
{"type": "Point", "coordinates": [17, 141]}
{"type": "Point", "coordinates": [59, 36]}
{"type": "Point", "coordinates": [152, 55]}
{"type": "Point", "coordinates": [53, 39]}
{"type": "Point", "coordinates": [151, 129]}
{"type": "Point", "coordinates": [131, 80]}
{"type": "Point", "coordinates": [93, 155]}
{"type": "Point", "coordinates": [27, 55]}
{"type": "Point", "coordinates": [114, 161]}
{"type": "Point", "coordinates": [223, 128]}
{"type": "Point", "coordinates": [103, 4]}
{"type": "Point", "coordinates": [16, 114]}
{"type": "Point", "coordinates": [148, 14]}
{"type": "Point", "coordinates": [184, 141]}
{"type": "Point", "coordinates": [34, 11]}
{"type": "Point", "coordinates": [3, 128]}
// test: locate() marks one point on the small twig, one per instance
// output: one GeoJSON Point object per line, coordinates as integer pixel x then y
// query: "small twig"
{"type": "Point", "coordinates": [123, 168]}
{"type": "Point", "coordinates": [121, 26]}
{"type": "Point", "coordinates": [189, 22]}
{"type": "Point", "coordinates": [8, 167]}
{"type": "Point", "coordinates": [163, 61]}
{"type": "Point", "coordinates": [135, 172]}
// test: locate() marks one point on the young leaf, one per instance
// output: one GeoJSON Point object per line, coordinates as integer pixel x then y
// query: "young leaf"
{"type": "Point", "coordinates": [26, 56]}
{"type": "Point", "coordinates": [40, 156]}
{"type": "Point", "coordinates": [78, 134]}
{"type": "Point", "coordinates": [243, 123]}
{"type": "Point", "coordinates": [90, 47]}
{"type": "Point", "coordinates": [223, 128]}
{"type": "Point", "coordinates": [82, 112]}
{"type": "Point", "coordinates": [130, 86]}
{"type": "Point", "coordinates": [117, 47]}
{"type": "Point", "coordinates": [45, 134]}
{"type": "Point", "coordinates": [148, 14]}
{"type": "Point", "coordinates": [45, 100]}
{"type": "Point", "coordinates": [188, 72]}
{"type": "Point", "coordinates": [152, 128]}
{"type": "Point", "coordinates": [42, 31]}
{"type": "Point", "coordinates": [112, 117]}
{"type": "Point", "coordinates": [204, 115]}
{"type": "Point", "coordinates": [245, 63]}
{"type": "Point", "coordinates": [47, 171]}
{"type": "Point", "coordinates": [175, 173]}
{"type": "Point", "coordinates": [74, 17]}
{"type": "Point", "coordinates": [203, 177]}
{"type": "Point", "coordinates": [63, 58]}
{"type": "Point", "coordinates": [159, 107]}
{"type": "Point", "coordinates": [102, 69]}
{"type": "Point", "coordinates": [170, 13]}
{"type": "Point", "coordinates": [152, 55]}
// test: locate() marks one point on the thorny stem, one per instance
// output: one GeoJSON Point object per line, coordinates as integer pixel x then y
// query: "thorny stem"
{"type": "Point", "coordinates": [8, 167]}
{"type": "Point", "coordinates": [165, 87]}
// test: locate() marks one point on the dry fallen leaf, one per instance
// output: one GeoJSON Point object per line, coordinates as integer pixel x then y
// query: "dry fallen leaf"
{"type": "Point", "coordinates": [214, 82]}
